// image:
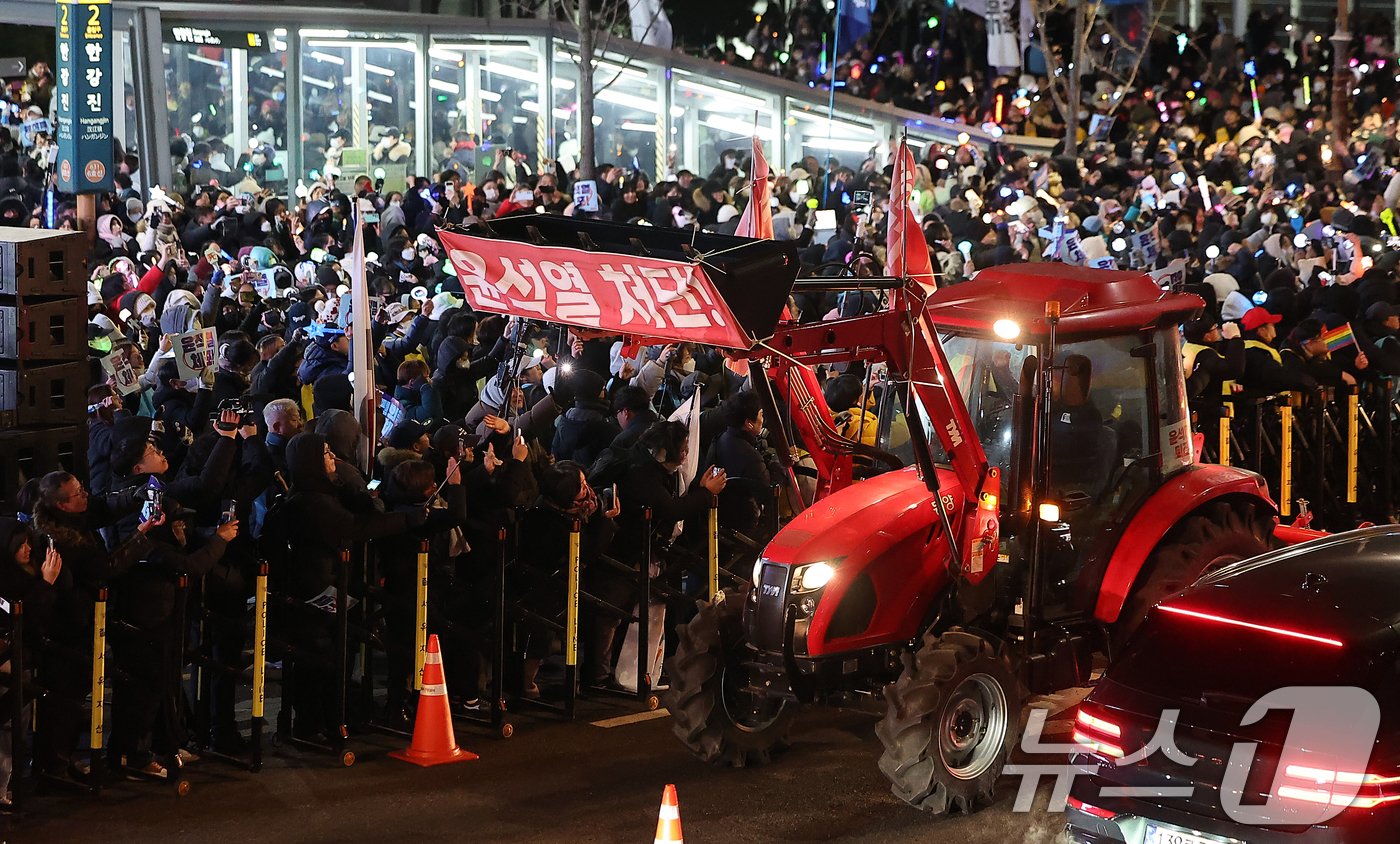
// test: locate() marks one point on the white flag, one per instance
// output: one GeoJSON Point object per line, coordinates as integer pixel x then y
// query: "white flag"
{"type": "Point", "coordinates": [361, 334]}
{"type": "Point", "coordinates": [689, 413]}
{"type": "Point", "coordinates": [650, 24]}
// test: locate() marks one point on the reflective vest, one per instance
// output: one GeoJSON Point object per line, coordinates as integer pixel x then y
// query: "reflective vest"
{"type": "Point", "coordinates": [1259, 344]}
{"type": "Point", "coordinates": [1189, 352]}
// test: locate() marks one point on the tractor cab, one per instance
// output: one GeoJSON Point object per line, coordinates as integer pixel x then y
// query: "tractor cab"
{"type": "Point", "coordinates": [1083, 416]}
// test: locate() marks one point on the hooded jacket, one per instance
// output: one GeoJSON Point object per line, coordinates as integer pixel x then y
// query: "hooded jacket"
{"type": "Point", "coordinates": [322, 360]}
{"type": "Point", "coordinates": [314, 526]}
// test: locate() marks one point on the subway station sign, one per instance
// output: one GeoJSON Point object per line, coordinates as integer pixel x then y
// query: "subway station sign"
{"type": "Point", "coordinates": [83, 112]}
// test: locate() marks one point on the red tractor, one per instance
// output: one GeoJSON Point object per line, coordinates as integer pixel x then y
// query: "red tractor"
{"type": "Point", "coordinates": [1049, 498]}
{"type": "Point", "coordinates": [1052, 499]}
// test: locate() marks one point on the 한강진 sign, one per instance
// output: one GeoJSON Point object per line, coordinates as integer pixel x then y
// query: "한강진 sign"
{"type": "Point", "coordinates": [83, 99]}
{"type": "Point", "coordinates": [194, 354]}
{"type": "Point", "coordinates": [650, 297]}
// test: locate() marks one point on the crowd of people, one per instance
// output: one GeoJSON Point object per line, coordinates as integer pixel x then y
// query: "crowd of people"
{"type": "Point", "coordinates": [1288, 236]}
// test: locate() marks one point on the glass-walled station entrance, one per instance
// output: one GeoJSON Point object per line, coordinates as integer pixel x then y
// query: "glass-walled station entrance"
{"type": "Point", "coordinates": [289, 94]}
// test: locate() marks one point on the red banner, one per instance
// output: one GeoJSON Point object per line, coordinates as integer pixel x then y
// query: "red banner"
{"type": "Point", "coordinates": [668, 300]}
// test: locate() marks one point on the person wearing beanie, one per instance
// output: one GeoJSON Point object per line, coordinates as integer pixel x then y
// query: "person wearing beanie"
{"type": "Point", "coordinates": [408, 440]}
{"type": "Point", "coordinates": [332, 391]}
{"type": "Point", "coordinates": [1264, 371]}
{"type": "Point", "coordinates": [236, 362]}
{"type": "Point", "coordinates": [1306, 352]}
{"type": "Point", "coordinates": [1381, 333]}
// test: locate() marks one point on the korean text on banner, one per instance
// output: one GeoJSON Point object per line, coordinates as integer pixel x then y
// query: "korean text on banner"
{"type": "Point", "coordinates": [651, 297]}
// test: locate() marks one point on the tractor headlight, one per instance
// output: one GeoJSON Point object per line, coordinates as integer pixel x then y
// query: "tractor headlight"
{"type": "Point", "coordinates": [812, 577]}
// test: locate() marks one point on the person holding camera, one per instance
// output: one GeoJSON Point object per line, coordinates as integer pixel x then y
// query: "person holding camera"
{"type": "Point", "coordinates": [69, 517]}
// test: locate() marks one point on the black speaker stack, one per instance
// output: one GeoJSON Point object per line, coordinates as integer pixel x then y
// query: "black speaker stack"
{"type": "Point", "coordinates": [44, 371]}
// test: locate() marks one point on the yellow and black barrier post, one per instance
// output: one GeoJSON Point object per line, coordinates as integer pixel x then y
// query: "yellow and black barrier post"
{"type": "Point", "coordinates": [571, 618]}
{"type": "Point", "coordinates": [259, 663]}
{"type": "Point", "coordinates": [1353, 441]}
{"type": "Point", "coordinates": [99, 687]}
{"type": "Point", "coordinates": [1227, 415]}
{"type": "Point", "coordinates": [341, 731]}
{"type": "Point", "coordinates": [712, 557]}
{"type": "Point", "coordinates": [420, 629]}
{"type": "Point", "coordinates": [1285, 455]}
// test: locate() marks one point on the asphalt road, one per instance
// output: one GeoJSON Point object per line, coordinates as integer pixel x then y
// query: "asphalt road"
{"type": "Point", "coordinates": [552, 782]}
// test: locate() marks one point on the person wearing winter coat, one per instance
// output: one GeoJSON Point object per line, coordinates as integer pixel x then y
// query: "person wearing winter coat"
{"type": "Point", "coordinates": [409, 487]}
{"type": "Point", "coordinates": [587, 427]}
{"type": "Point", "coordinates": [566, 497]}
{"type": "Point", "coordinates": [416, 393]}
{"type": "Point", "coordinates": [458, 372]}
{"type": "Point", "coordinates": [70, 518]}
{"type": "Point", "coordinates": [651, 479]}
{"type": "Point", "coordinates": [275, 373]}
{"type": "Point", "coordinates": [306, 534]}
{"type": "Point", "coordinates": [742, 504]}
{"type": "Point", "coordinates": [328, 354]}
{"type": "Point", "coordinates": [28, 571]}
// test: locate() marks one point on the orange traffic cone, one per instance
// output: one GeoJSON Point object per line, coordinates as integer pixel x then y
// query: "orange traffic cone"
{"type": "Point", "coordinates": [668, 823]}
{"type": "Point", "coordinates": [433, 740]}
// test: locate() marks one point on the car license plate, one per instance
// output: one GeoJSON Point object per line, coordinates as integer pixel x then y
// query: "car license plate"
{"type": "Point", "coordinates": [1171, 835]}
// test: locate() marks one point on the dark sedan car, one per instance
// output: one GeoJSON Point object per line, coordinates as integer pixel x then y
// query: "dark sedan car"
{"type": "Point", "coordinates": [1177, 744]}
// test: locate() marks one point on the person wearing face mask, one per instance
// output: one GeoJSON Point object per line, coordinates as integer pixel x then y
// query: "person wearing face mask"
{"type": "Point", "coordinates": [138, 316]}
{"type": "Point", "coordinates": [236, 362]}
{"type": "Point", "coordinates": [391, 219]}
{"type": "Point", "coordinates": [491, 192]}
{"type": "Point", "coordinates": [406, 268]}
{"type": "Point", "coordinates": [457, 373]}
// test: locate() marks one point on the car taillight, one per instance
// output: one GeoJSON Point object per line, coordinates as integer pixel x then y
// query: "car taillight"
{"type": "Point", "coordinates": [1097, 735]}
{"type": "Point", "coordinates": [1321, 785]}
{"type": "Point", "coordinates": [1075, 803]}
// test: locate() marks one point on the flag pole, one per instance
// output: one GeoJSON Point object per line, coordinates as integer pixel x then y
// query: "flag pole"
{"type": "Point", "coordinates": [831, 101]}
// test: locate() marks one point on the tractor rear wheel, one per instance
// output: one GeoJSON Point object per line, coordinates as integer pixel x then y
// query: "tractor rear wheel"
{"type": "Point", "coordinates": [711, 712]}
{"type": "Point", "coordinates": [1210, 538]}
{"type": "Point", "coordinates": [953, 718]}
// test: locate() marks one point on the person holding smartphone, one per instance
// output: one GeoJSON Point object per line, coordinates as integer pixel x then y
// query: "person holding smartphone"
{"type": "Point", "coordinates": [30, 571]}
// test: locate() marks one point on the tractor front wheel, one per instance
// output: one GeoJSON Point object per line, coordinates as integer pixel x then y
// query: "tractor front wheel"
{"type": "Point", "coordinates": [1209, 539]}
{"type": "Point", "coordinates": [952, 720]}
{"type": "Point", "coordinates": [712, 711]}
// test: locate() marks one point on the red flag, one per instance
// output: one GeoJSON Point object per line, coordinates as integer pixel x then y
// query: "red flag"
{"type": "Point", "coordinates": [757, 221]}
{"type": "Point", "coordinates": [908, 255]}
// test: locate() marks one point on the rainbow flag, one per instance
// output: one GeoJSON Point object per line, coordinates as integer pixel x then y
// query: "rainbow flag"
{"type": "Point", "coordinates": [1339, 337]}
